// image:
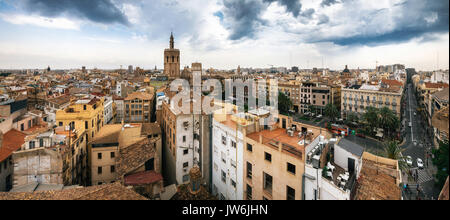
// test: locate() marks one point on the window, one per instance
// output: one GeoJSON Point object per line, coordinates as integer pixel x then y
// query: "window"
{"type": "Point", "coordinates": [99, 170]}
{"type": "Point", "coordinates": [233, 144]}
{"type": "Point", "coordinates": [249, 192]}
{"type": "Point", "coordinates": [31, 144]}
{"type": "Point", "coordinates": [84, 107]}
{"type": "Point", "coordinates": [291, 168]}
{"type": "Point", "coordinates": [99, 156]}
{"type": "Point", "coordinates": [113, 169]}
{"type": "Point", "coordinates": [223, 158]}
{"type": "Point", "coordinates": [233, 183]}
{"type": "Point", "coordinates": [224, 177]}
{"type": "Point", "coordinates": [249, 147]}
{"type": "Point", "coordinates": [41, 142]}
{"type": "Point", "coordinates": [267, 179]}
{"type": "Point", "coordinates": [290, 193]}
{"type": "Point", "coordinates": [150, 164]}
{"type": "Point", "coordinates": [185, 151]}
{"type": "Point", "coordinates": [185, 164]}
{"type": "Point", "coordinates": [184, 139]}
{"type": "Point", "coordinates": [249, 170]}
{"type": "Point", "coordinates": [268, 156]}
{"type": "Point", "coordinates": [113, 154]}
{"type": "Point", "coordinates": [224, 140]}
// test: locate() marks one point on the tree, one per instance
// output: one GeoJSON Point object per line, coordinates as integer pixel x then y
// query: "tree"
{"type": "Point", "coordinates": [394, 151]}
{"type": "Point", "coordinates": [284, 103]}
{"type": "Point", "coordinates": [312, 109]}
{"type": "Point", "coordinates": [442, 163]}
{"type": "Point", "coordinates": [332, 112]}
{"type": "Point", "coordinates": [371, 117]}
{"type": "Point", "coordinates": [388, 120]}
{"type": "Point", "coordinates": [351, 117]}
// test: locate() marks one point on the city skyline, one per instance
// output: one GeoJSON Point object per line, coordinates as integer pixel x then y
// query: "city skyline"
{"type": "Point", "coordinates": [224, 34]}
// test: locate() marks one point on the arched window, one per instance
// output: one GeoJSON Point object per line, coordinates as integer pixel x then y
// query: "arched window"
{"type": "Point", "coordinates": [173, 59]}
{"type": "Point", "coordinates": [167, 59]}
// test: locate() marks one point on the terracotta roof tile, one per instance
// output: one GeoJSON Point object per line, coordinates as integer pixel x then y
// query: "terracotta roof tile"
{"type": "Point", "coordinates": [12, 141]}
{"type": "Point", "coordinates": [135, 155]}
{"type": "Point", "coordinates": [113, 191]}
{"type": "Point", "coordinates": [142, 178]}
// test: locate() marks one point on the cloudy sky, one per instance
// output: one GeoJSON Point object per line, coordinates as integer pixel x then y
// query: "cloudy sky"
{"type": "Point", "coordinates": [224, 33]}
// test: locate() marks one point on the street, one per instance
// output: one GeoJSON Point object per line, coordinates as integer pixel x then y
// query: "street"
{"type": "Point", "coordinates": [417, 134]}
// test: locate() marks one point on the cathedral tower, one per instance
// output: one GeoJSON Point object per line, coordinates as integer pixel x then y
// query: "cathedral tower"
{"type": "Point", "coordinates": [172, 60]}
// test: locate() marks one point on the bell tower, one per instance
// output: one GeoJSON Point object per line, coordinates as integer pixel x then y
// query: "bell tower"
{"type": "Point", "coordinates": [172, 60]}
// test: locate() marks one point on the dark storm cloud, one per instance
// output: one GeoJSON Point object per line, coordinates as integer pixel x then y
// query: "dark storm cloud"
{"type": "Point", "coordinates": [244, 17]}
{"type": "Point", "coordinates": [292, 6]}
{"type": "Point", "coordinates": [415, 21]}
{"type": "Point", "coordinates": [328, 2]}
{"type": "Point", "coordinates": [100, 11]}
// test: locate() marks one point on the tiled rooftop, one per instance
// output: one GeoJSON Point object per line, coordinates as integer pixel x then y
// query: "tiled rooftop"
{"type": "Point", "coordinates": [12, 141]}
{"type": "Point", "coordinates": [113, 191]}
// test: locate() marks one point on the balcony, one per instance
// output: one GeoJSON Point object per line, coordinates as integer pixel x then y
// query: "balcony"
{"type": "Point", "coordinates": [387, 103]}
{"type": "Point", "coordinates": [394, 104]}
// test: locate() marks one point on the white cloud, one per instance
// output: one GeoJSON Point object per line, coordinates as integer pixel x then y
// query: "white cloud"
{"type": "Point", "coordinates": [58, 23]}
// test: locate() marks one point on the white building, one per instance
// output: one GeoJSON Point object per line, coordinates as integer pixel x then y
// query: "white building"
{"type": "Point", "coordinates": [228, 143]}
{"type": "Point", "coordinates": [108, 111]}
{"type": "Point", "coordinates": [342, 171]}
{"type": "Point", "coordinates": [119, 108]}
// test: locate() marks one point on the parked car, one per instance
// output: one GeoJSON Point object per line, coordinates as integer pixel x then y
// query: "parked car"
{"type": "Point", "coordinates": [419, 163]}
{"type": "Point", "coordinates": [410, 124]}
{"type": "Point", "coordinates": [415, 143]}
{"type": "Point", "coordinates": [409, 161]}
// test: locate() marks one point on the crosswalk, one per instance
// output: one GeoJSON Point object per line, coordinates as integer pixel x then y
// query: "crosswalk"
{"type": "Point", "coordinates": [424, 176]}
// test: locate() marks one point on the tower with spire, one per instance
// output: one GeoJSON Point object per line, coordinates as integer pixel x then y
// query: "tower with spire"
{"type": "Point", "coordinates": [172, 60]}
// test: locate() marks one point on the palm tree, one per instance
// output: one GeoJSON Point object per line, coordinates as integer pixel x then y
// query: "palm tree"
{"type": "Point", "coordinates": [332, 112]}
{"type": "Point", "coordinates": [371, 117]}
{"type": "Point", "coordinates": [394, 151]}
{"type": "Point", "coordinates": [312, 109]}
{"type": "Point", "coordinates": [351, 117]}
{"type": "Point", "coordinates": [388, 120]}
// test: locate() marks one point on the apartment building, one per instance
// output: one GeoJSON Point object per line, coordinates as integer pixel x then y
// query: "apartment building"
{"type": "Point", "coordinates": [138, 107]}
{"type": "Point", "coordinates": [357, 98]}
{"type": "Point", "coordinates": [10, 142]}
{"type": "Point", "coordinates": [274, 160]}
{"type": "Point", "coordinates": [229, 133]}
{"type": "Point", "coordinates": [140, 144]}
{"type": "Point", "coordinates": [83, 114]}
{"type": "Point", "coordinates": [186, 144]}
{"type": "Point", "coordinates": [292, 90]}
